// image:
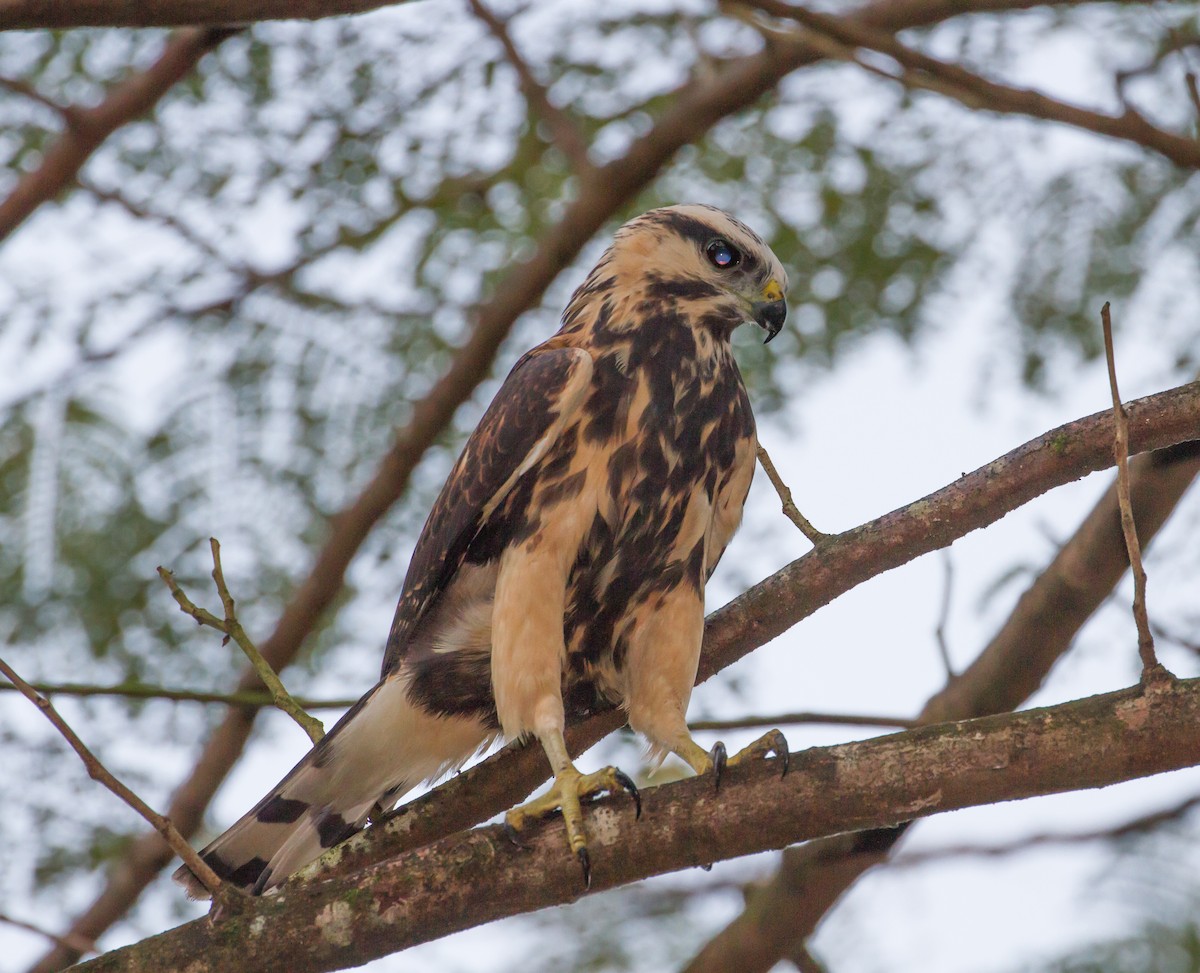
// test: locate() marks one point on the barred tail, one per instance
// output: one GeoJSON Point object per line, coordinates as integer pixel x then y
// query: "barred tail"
{"type": "Point", "coordinates": [382, 748]}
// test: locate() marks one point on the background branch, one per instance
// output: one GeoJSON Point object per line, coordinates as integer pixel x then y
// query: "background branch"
{"type": "Point", "coordinates": [89, 127]}
{"type": "Point", "coordinates": [563, 133]}
{"type": "Point", "coordinates": [839, 37]}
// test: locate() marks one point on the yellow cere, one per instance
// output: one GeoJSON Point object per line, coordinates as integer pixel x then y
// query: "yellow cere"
{"type": "Point", "coordinates": [773, 292]}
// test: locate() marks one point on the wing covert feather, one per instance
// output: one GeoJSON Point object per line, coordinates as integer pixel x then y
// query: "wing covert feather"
{"type": "Point", "coordinates": [540, 396]}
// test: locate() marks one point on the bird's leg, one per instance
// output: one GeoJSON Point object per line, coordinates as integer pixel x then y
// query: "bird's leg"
{"type": "Point", "coordinates": [566, 794]}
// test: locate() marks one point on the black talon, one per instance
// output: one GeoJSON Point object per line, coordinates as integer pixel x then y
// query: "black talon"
{"type": "Point", "coordinates": [586, 863]}
{"type": "Point", "coordinates": [512, 835]}
{"type": "Point", "coordinates": [627, 782]}
{"type": "Point", "coordinates": [719, 758]}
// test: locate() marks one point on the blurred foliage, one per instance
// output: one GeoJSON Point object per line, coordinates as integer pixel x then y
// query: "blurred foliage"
{"type": "Point", "coordinates": [219, 330]}
{"type": "Point", "coordinates": [1158, 948]}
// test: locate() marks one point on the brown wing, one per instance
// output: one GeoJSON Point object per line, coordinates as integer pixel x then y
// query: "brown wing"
{"type": "Point", "coordinates": [535, 402]}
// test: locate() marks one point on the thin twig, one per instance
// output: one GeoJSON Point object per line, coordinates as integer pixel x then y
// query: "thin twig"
{"type": "Point", "coordinates": [785, 497]}
{"type": "Point", "coordinates": [69, 941]}
{"type": "Point", "coordinates": [564, 134]}
{"type": "Point", "coordinates": [786, 719]}
{"type": "Point", "coordinates": [253, 698]}
{"type": "Point", "coordinates": [232, 629]}
{"type": "Point", "coordinates": [1151, 668]}
{"type": "Point", "coordinates": [96, 770]}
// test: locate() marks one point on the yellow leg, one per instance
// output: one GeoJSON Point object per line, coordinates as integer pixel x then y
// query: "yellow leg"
{"type": "Point", "coordinates": [566, 794]}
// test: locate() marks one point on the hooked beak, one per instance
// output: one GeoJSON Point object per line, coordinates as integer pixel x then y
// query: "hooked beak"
{"type": "Point", "coordinates": [770, 312]}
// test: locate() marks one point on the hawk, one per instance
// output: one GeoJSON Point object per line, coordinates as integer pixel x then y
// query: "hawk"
{"type": "Point", "coordinates": [564, 562]}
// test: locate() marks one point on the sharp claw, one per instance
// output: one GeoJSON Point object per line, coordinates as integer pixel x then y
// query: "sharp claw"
{"type": "Point", "coordinates": [719, 758]}
{"type": "Point", "coordinates": [586, 864]}
{"type": "Point", "coordinates": [513, 835]}
{"type": "Point", "coordinates": [627, 782]}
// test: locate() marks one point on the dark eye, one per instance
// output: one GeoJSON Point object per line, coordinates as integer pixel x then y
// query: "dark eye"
{"type": "Point", "coordinates": [723, 255]}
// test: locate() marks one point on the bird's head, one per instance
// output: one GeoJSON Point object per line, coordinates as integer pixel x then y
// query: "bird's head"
{"type": "Point", "coordinates": [701, 258]}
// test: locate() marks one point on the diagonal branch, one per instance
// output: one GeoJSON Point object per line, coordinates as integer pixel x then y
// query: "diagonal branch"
{"type": "Point", "coordinates": [98, 772]}
{"type": "Point", "coordinates": [87, 128]}
{"type": "Point", "coordinates": [469, 879]}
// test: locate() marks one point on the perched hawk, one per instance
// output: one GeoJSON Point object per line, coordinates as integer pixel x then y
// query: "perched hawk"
{"type": "Point", "coordinates": [565, 560]}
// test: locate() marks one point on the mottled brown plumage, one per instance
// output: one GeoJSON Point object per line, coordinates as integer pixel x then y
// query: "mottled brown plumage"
{"type": "Point", "coordinates": [565, 559]}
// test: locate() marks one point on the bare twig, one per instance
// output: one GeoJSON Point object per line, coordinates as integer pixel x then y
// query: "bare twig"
{"type": "Point", "coordinates": [232, 629]}
{"type": "Point", "coordinates": [96, 770]}
{"type": "Point", "coordinates": [1151, 667]}
{"type": "Point", "coordinates": [140, 212]}
{"type": "Point", "coordinates": [1167, 635]}
{"type": "Point", "coordinates": [785, 498]}
{"type": "Point", "coordinates": [252, 698]}
{"type": "Point", "coordinates": [784, 719]}
{"type": "Point", "coordinates": [77, 943]}
{"type": "Point", "coordinates": [562, 129]}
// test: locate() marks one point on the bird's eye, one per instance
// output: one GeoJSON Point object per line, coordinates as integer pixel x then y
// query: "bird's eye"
{"type": "Point", "coordinates": [723, 255]}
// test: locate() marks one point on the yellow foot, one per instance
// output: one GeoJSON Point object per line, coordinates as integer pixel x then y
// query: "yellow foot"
{"type": "Point", "coordinates": [772, 742]}
{"type": "Point", "coordinates": [570, 787]}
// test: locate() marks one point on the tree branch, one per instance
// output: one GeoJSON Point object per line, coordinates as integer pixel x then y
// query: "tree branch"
{"type": "Point", "coordinates": [89, 127]}
{"type": "Point", "coordinates": [790, 510]}
{"type": "Point", "coordinates": [841, 37]}
{"type": "Point", "coordinates": [783, 914]}
{"type": "Point", "coordinates": [467, 880]}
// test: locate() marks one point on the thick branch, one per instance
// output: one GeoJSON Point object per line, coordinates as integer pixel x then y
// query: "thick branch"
{"type": "Point", "coordinates": [469, 879]}
{"type": "Point", "coordinates": [89, 127]}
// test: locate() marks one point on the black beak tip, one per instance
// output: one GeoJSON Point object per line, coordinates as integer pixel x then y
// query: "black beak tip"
{"type": "Point", "coordinates": [770, 316]}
